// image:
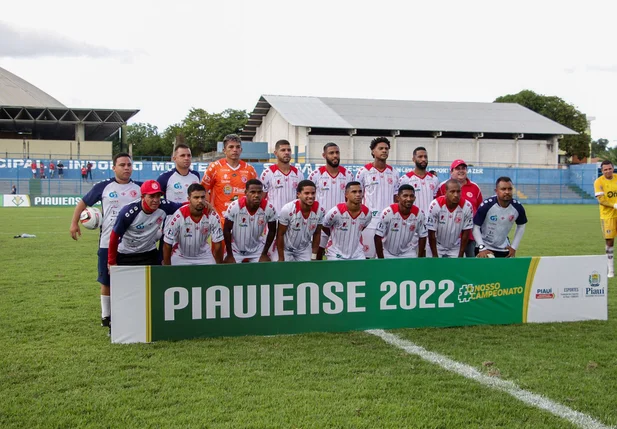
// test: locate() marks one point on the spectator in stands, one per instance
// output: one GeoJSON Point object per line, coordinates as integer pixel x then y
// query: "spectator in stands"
{"type": "Point", "coordinates": [13, 190]}
{"type": "Point", "coordinates": [60, 170]}
{"type": "Point", "coordinates": [52, 169]}
{"type": "Point", "coordinates": [34, 169]}
{"type": "Point", "coordinates": [42, 170]}
{"type": "Point", "coordinates": [83, 173]}
{"type": "Point", "coordinates": [89, 170]}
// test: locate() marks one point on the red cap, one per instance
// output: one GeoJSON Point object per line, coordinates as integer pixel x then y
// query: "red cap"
{"type": "Point", "coordinates": [456, 163]}
{"type": "Point", "coordinates": [151, 187]}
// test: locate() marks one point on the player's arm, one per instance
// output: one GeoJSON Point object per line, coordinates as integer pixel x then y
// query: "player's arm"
{"type": "Point", "coordinates": [280, 241]}
{"type": "Point", "coordinates": [74, 229]}
{"type": "Point", "coordinates": [378, 246]}
{"type": "Point", "coordinates": [464, 241]}
{"type": "Point", "coordinates": [269, 239]}
{"type": "Point", "coordinates": [216, 236]}
{"type": "Point", "coordinates": [432, 225]}
{"type": "Point", "coordinates": [516, 241]}
{"type": "Point", "coordinates": [122, 222]}
{"type": "Point", "coordinates": [227, 229]}
{"type": "Point", "coordinates": [601, 196]}
{"type": "Point", "coordinates": [432, 242]}
{"type": "Point", "coordinates": [422, 247]}
{"type": "Point", "coordinates": [315, 244]}
{"type": "Point", "coordinates": [166, 253]}
{"type": "Point", "coordinates": [217, 252]}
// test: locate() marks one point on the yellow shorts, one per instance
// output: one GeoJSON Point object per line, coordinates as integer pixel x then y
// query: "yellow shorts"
{"type": "Point", "coordinates": [609, 228]}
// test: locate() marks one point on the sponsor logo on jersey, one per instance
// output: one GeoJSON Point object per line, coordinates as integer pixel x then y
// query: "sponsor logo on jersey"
{"type": "Point", "coordinates": [113, 194]}
{"type": "Point", "coordinates": [177, 185]}
{"type": "Point", "coordinates": [227, 189]}
{"type": "Point", "coordinates": [493, 218]}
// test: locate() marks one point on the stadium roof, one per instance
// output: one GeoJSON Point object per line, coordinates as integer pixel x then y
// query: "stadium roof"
{"type": "Point", "coordinates": [27, 110]}
{"type": "Point", "coordinates": [402, 115]}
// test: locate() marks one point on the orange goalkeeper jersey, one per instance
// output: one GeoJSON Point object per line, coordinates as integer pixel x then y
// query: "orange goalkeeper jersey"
{"type": "Point", "coordinates": [226, 184]}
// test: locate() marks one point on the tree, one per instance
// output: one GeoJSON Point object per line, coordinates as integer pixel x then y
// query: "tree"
{"type": "Point", "coordinates": [203, 130]}
{"type": "Point", "coordinates": [609, 155]}
{"type": "Point", "coordinates": [146, 140]}
{"type": "Point", "coordinates": [559, 111]}
{"type": "Point", "coordinates": [599, 147]}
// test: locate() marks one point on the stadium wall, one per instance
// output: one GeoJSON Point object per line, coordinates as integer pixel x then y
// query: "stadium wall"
{"type": "Point", "coordinates": [45, 149]}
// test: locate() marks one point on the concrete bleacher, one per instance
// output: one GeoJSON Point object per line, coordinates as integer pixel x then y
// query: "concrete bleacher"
{"type": "Point", "coordinates": [46, 187]}
{"type": "Point", "coordinates": [544, 194]}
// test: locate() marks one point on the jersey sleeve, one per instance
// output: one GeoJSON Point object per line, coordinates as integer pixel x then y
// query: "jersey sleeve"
{"type": "Point", "coordinates": [271, 214]}
{"type": "Point", "coordinates": [522, 216]}
{"type": "Point", "coordinates": [598, 188]}
{"type": "Point", "coordinates": [312, 176]}
{"type": "Point", "coordinates": [95, 194]}
{"type": "Point", "coordinates": [125, 217]}
{"type": "Point", "coordinates": [321, 214]}
{"type": "Point", "coordinates": [480, 215]}
{"type": "Point", "coordinates": [332, 218]}
{"type": "Point", "coordinates": [431, 216]}
{"type": "Point", "coordinates": [421, 227]}
{"type": "Point", "coordinates": [232, 211]}
{"type": "Point", "coordinates": [169, 207]}
{"type": "Point", "coordinates": [171, 231]}
{"type": "Point", "coordinates": [367, 219]}
{"type": "Point", "coordinates": [285, 215]}
{"type": "Point", "coordinates": [216, 232]}
{"type": "Point", "coordinates": [209, 177]}
{"type": "Point", "coordinates": [163, 180]}
{"type": "Point", "coordinates": [360, 176]}
{"type": "Point", "coordinates": [384, 223]}
{"type": "Point", "coordinates": [265, 179]}
{"type": "Point", "coordinates": [467, 216]}
{"type": "Point", "coordinates": [196, 173]}
{"type": "Point", "coordinates": [252, 174]}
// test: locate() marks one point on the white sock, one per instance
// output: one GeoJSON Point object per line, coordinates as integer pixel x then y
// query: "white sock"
{"type": "Point", "coordinates": [106, 306]}
{"type": "Point", "coordinates": [609, 256]}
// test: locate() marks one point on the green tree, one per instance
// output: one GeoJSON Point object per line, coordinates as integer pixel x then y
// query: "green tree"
{"type": "Point", "coordinates": [146, 140]}
{"type": "Point", "coordinates": [559, 111]}
{"type": "Point", "coordinates": [203, 130]}
{"type": "Point", "coordinates": [610, 154]}
{"type": "Point", "coordinates": [599, 147]}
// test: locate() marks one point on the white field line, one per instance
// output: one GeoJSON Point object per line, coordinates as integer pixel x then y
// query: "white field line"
{"type": "Point", "coordinates": [575, 417]}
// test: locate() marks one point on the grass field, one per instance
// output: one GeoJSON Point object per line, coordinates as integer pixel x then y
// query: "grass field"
{"type": "Point", "coordinates": [58, 368]}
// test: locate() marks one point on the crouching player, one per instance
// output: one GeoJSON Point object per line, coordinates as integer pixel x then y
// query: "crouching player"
{"type": "Point", "coordinates": [188, 231]}
{"type": "Point", "coordinates": [245, 221]}
{"type": "Point", "coordinates": [344, 224]}
{"type": "Point", "coordinates": [138, 228]}
{"type": "Point", "coordinates": [300, 222]}
{"type": "Point", "coordinates": [399, 225]}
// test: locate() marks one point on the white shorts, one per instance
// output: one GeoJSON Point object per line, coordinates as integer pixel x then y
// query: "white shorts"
{"type": "Point", "coordinates": [323, 240]}
{"type": "Point", "coordinates": [448, 253]}
{"type": "Point", "coordinates": [368, 241]}
{"type": "Point", "coordinates": [298, 255]}
{"type": "Point", "coordinates": [245, 257]}
{"type": "Point", "coordinates": [273, 253]}
{"type": "Point", "coordinates": [206, 259]}
{"type": "Point", "coordinates": [411, 254]}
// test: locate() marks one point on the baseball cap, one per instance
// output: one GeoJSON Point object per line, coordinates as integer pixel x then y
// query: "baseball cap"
{"type": "Point", "coordinates": [456, 163]}
{"type": "Point", "coordinates": [151, 187]}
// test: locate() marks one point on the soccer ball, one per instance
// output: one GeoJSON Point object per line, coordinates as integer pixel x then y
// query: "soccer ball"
{"type": "Point", "coordinates": [490, 255]}
{"type": "Point", "coordinates": [91, 218]}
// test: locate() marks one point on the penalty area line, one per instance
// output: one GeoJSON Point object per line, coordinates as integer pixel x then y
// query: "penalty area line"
{"type": "Point", "coordinates": [575, 417]}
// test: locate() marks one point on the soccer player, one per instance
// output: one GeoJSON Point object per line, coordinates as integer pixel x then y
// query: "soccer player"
{"type": "Point", "coordinates": [299, 227]}
{"type": "Point", "coordinates": [175, 183]}
{"type": "Point", "coordinates": [470, 191]}
{"type": "Point", "coordinates": [494, 219]}
{"type": "Point", "coordinates": [245, 221]}
{"type": "Point", "coordinates": [280, 181]}
{"type": "Point", "coordinates": [113, 194]}
{"type": "Point", "coordinates": [605, 188]}
{"type": "Point", "coordinates": [344, 224]}
{"type": "Point", "coordinates": [225, 179]}
{"type": "Point", "coordinates": [330, 181]}
{"type": "Point", "coordinates": [449, 221]}
{"type": "Point", "coordinates": [138, 228]}
{"type": "Point", "coordinates": [188, 231]}
{"type": "Point", "coordinates": [380, 183]}
{"type": "Point", "coordinates": [399, 224]}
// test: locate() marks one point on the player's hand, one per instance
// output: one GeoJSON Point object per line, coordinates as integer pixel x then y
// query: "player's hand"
{"type": "Point", "coordinates": [511, 252]}
{"type": "Point", "coordinates": [75, 231]}
{"type": "Point", "coordinates": [264, 258]}
{"type": "Point", "coordinates": [229, 259]}
{"type": "Point", "coordinates": [484, 254]}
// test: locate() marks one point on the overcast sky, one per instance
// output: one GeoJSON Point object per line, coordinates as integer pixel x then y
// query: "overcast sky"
{"type": "Point", "coordinates": [164, 57]}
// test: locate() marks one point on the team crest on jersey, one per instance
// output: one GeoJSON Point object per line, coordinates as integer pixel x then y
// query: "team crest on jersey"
{"type": "Point", "coordinates": [133, 193]}
{"type": "Point", "coordinates": [227, 189]}
{"type": "Point", "coordinates": [458, 219]}
{"type": "Point", "coordinates": [244, 179]}
{"type": "Point", "coordinates": [469, 194]}
{"type": "Point", "coordinates": [511, 218]}
{"type": "Point", "coordinates": [260, 220]}
{"type": "Point", "coordinates": [204, 230]}
{"type": "Point", "coordinates": [412, 227]}
{"type": "Point", "coordinates": [159, 220]}
{"type": "Point", "coordinates": [432, 186]}
{"type": "Point", "coordinates": [342, 186]}
{"type": "Point", "coordinates": [389, 180]}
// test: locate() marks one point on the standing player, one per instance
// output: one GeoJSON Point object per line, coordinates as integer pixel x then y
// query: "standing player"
{"type": "Point", "coordinates": [469, 192]}
{"type": "Point", "coordinates": [399, 225]}
{"type": "Point", "coordinates": [299, 228]}
{"type": "Point", "coordinates": [330, 181]}
{"type": "Point", "coordinates": [113, 194]}
{"type": "Point", "coordinates": [188, 231]}
{"type": "Point", "coordinates": [344, 224]}
{"type": "Point", "coordinates": [380, 183]}
{"type": "Point", "coordinates": [494, 219]}
{"type": "Point", "coordinates": [245, 221]}
{"type": "Point", "coordinates": [280, 181]}
{"type": "Point", "coordinates": [605, 188]}
{"type": "Point", "coordinates": [225, 179]}
{"type": "Point", "coordinates": [449, 221]}
{"type": "Point", "coordinates": [175, 183]}
{"type": "Point", "coordinates": [138, 228]}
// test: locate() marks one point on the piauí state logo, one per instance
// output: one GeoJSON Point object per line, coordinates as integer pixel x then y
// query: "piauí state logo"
{"type": "Point", "coordinates": [594, 279]}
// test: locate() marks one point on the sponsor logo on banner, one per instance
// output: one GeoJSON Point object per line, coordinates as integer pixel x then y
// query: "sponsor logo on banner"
{"type": "Point", "coordinates": [10, 200]}
{"type": "Point", "coordinates": [471, 292]}
{"type": "Point", "coordinates": [570, 292]}
{"type": "Point", "coordinates": [545, 293]}
{"type": "Point", "coordinates": [595, 289]}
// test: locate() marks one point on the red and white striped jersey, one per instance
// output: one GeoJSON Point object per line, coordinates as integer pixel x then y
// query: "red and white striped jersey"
{"type": "Point", "coordinates": [345, 232]}
{"type": "Point", "coordinates": [447, 224]}
{"type": "Point", "coordinates": [470, 191]}
{"type": "Point", "coordinates": [330, 189]}
{"type": "Point", "coordinates": [281, 187]}
{"type": "Point", "coordinates": [247, 234]}
{"type": "Point", "coordinates": [425, 187]}
{"type": "Point", "coordinates": [300, 229]}
{"type": "Point", "coordinates": [190, 237]}
{"type": "Point", "coordinates": [399, 231]}
{"type": "Point", "coordinates": [379, 186]}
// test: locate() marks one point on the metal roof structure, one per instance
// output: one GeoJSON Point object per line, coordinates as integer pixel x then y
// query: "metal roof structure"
{"type": "Point", "coordinates": [26, 110]}
{"type": "Point", "coordinates": [402, 115]}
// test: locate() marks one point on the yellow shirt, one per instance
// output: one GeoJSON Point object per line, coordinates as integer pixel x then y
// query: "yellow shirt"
{"type": "Point", "coordinates": [608, 189]}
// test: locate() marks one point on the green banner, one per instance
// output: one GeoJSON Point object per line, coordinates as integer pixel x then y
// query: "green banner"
{"type": "Point", "coordinates": [294, 297]}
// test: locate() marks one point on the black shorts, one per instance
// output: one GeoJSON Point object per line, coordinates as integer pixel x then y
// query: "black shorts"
{"type": "Point", "coordinates": [497, 253]}
{"type": "Point", "coordinates": [138, 259]}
